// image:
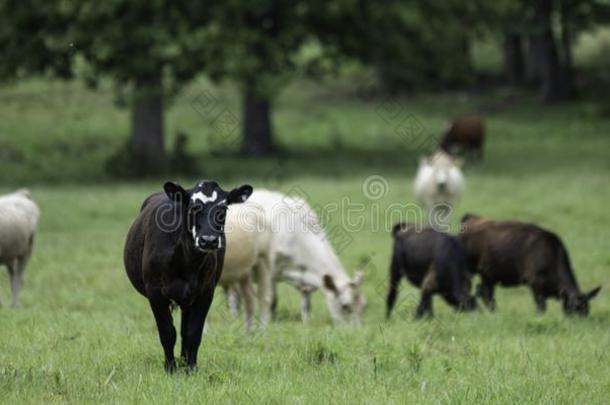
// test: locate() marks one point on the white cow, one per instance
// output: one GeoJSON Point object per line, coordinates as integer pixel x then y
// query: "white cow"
{"type": "Point", "coordinates": [18, 223]}
{"type": "Point", "coordinates": [300, 253]}
{"type": "Point", "coordinates": [438, 185]}
{"type": "Point", "coordinates": [247, 259]}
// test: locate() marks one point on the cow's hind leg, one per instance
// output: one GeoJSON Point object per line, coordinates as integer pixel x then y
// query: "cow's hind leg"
{"type": "Point", "coordinates": [428, 287]}
{"type": "Point", "coordinates": [167, 333]}
{"type": "Point", "coordinates": [16, 270]}
{"type": "Point", "coordinates": [247, 293]}
{"type": "Point", "coordinates": [273, 306]}
{"type": "Point", "coordinates": [233, 300]}
{"type": "Point", "coordinates": [265, 291]}
{"type": "Point", "coordinates": [305, 305]}
{"type": "Point", "coordinates": [395, 276]}
{"type": "Point", "coordinates": [195, 320]}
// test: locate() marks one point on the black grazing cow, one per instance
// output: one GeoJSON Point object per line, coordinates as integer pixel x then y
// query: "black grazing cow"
{"type": "Point", "coordinates": [513, 253]}
{"type": "Point", "coordinates": [175, 252]}
{"type": "Point", "coordinates": [433, 261]}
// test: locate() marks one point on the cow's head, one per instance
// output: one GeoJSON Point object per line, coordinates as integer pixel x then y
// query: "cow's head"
{"type": "Point", "coordinates": [578, 304]}
{"type": "Point", "coordinates": [345, 300]}
{"type": "Point", "coordinates": [204, 210]}
{"type": "Point", "coordinates": [466, 301]}
{"type": "Point", "coordinates": [441, 168]}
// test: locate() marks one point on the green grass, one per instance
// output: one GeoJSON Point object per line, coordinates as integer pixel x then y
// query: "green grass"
{"type": "Point", "coordinates": [84, 335]}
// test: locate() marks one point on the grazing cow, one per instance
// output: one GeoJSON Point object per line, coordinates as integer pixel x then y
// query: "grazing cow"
{"type": "Point", "coordinates": [513, 253]}
{"type": "Point", "coordinates": [300, 253]}
{"type": "Point", "coordinates": [246, 260]}
{"type": "Point", "coordinates": [175, 252]}
{"type": "Point", "coordinates": [466, 134]}
{"type": "Point", "coordinates": [438, 185]}
{"type": "Point", "coordinates": [432, 261]}
{"type": "Point", "coordinates": [18, 222]}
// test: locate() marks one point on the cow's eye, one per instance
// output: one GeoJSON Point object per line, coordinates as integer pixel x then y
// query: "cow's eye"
{"type": "Point", "coordinates": [219, 218]}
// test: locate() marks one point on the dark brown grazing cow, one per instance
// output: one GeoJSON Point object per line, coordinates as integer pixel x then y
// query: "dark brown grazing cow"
{"type": "Point", "coordinates": [465, 135]}
{"type": "Point", "coordinates": [433, 261]}
{"type": "Point", "coordinates": [175, 252]}
{"type": "Point", "coordinates": [513, 253]}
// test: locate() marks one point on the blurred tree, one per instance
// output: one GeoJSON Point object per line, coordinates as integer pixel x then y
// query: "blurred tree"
{"type": "Point", "coordinates": [30, 39]}
{"type": "Point", "coordinates": [150, 49]}
{"type": "Point", "coordinates": [538, 38]}
{"type": "Point", "coordinates": [256, 44]}
{"type": "Point", "coordinates": [411, 45]}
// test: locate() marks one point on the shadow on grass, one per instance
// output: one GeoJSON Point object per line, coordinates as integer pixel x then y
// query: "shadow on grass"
{"type": "Point", "coordinates": [85, 162]}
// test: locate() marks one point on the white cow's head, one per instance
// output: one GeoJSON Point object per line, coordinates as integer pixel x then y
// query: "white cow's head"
{"type": "Point", "coordinates": [345, 299]}
{"type": "Point", "coordinates": [442, 169]}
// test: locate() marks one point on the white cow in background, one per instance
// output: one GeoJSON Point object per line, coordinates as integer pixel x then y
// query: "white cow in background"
{"type": "Point", "coordinates": [300, 253]}
{"type": "Point", "coordinates": [18, 223]}
{"type": "Point", "coordinates": [247, 260]}
{"type": "Point", "coordinates": [439, 183]}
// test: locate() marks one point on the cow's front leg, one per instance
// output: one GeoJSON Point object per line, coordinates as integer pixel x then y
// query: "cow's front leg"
{"type": "Point", "coordinates": [425, 305]}
{"type": "Point", "coordinates": [165, 325]}
{"type": "Point", "coordinates": [540, 300]}
{"type": "Point", "coordinates": [485, 290]}
{"type": "Point", "coordinates": [194, 319]}
{"type": "Point", "coordinates": [305, 305]}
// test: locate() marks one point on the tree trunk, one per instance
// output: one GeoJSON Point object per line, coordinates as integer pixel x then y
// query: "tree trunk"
{"type": "Point", "coordinates": [256, 130]}
{"type": "Point", "coordinates": [553, 84]}
{"type": "Point", "coordinates": [533, 70]}
{"type": "Point", "coordinates": [566, 44]}
{"type": "Point", "coordinates": [147, 142]}
{"type": "Point", "coordinates": [513, 58]}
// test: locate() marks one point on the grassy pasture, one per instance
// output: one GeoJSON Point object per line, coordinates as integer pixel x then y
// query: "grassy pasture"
{"type": "Point", "coordinates": [84, 335]}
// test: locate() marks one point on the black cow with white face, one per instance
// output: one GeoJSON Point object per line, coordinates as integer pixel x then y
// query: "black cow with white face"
{"type": "Point", "coordinates": [175, 252]}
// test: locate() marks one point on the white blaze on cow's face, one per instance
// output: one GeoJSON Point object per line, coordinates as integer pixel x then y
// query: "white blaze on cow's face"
{"type": "Point", "coordinates": [206, 208]}
{"type": "Point", "coordinates": [207, 217]}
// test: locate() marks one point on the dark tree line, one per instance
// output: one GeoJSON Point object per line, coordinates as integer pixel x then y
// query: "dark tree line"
{"type": "Point", "coordinates": [538, 39]}
{"type": "Point", "coordinates": [152, 48]}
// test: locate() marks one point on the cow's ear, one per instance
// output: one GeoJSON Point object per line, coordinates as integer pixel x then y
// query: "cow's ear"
{"type": "Point", "coordinates": [357, 280]}
{"type": "Point", "coordinates": [175, 192]}
{"type": "Point", "coordinates": [468, 216]}
{"type": "Point", "coordinates": [591, 294]}
{"type": "Point", "coordinates": [329, 283]}
{"type": "Point", "coordinates": [239, 194]}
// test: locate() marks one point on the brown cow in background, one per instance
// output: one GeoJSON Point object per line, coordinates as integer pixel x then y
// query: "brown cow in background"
{"type": "Point", "coordinates": [512, 253]}
{"type": "Point", "coordinates": [466, 135]}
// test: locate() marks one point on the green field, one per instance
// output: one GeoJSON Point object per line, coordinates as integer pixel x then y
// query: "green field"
{"type": "Point", "coordinates": [84, 335]}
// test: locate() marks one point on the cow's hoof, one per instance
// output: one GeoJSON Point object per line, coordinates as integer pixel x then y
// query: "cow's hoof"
{"type": "Point", "coordinates": [170, 366]}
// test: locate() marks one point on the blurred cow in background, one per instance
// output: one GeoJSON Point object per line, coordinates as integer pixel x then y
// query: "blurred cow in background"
{"type": "Point", "coordinates": [465, 135]}
{"type": "Point", "coordinates": [438, 185]}
{"type": "Point", "coordinates": [434, 262]}
{"type": "Point", "coordinates": [511, 253]}
{"type": "Point", "coordinates": [19, 216]}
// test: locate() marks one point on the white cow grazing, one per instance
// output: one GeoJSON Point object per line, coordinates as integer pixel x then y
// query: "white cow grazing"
{"type": "Point", "coordinates": [18, 223]}
{"type": "Point", "coordinates": [246, 259]}
{"type": "Point", "coordinates": [301, 254]}
{"type": "Point", "coordinates": [438, 185]}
